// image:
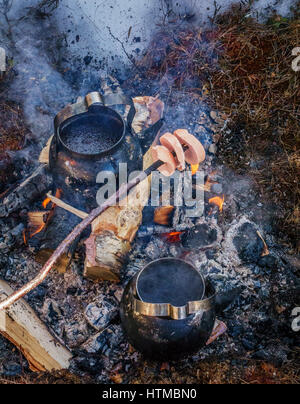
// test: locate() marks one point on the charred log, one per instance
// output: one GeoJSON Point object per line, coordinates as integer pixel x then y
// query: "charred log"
{"type": "Point", "coordinates": [35, 185]}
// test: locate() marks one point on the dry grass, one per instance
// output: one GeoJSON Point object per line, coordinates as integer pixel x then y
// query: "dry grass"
{"type": "Point", "coordinates": [244, 69]}
{"type": "Point", "coordinates": [58, 377]}
{"type": "Point", "coordinates": [212, 371]}
{"type": "Point", "coordinates": [220, 372]}
{"type": "Point", "coordinates": [13, 133]}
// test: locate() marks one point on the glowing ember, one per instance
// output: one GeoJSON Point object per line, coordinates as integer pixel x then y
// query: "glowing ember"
{"type": "Point", "coordinates": [38, 230]}
{"type": "Point", "coordinates": [24, 237]}
{"type": "Point", "coordinates": [218, 202]}
{"type": "Point", "coordinates": [173, 237]}
{"type": "Point", "coordinates": [46, 202]}
{"type": "Point", "coordinates": [194, 168]}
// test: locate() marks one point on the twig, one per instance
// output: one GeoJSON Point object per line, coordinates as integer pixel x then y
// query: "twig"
{"type": "Point", "coordinates": [130, 57]}
{"type": "Point", "coordinates": [266, 249]}
{"type": "Point", "coordinates": [58, 202]}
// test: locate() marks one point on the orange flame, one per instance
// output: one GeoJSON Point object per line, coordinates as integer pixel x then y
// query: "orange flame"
{"type": "Point", "coordinates": [24, 237]}
{"type": "Point", "coordinates": [218, 202]}
{"type": "Point", "coordinates": [38, 230]}
{"type": "Point", "coordinates": [46, 202]}
{"type": "Point", "coordinates": [173, 237]}
{"type": "Point", "coordinates": [194, 168]}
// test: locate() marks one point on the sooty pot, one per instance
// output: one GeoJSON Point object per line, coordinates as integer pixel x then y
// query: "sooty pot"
{"type": "Point", "coordinates": [92, 136]}
{"type": "Point", "coordinates": [168, 309]}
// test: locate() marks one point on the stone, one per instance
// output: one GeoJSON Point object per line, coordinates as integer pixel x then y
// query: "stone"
{"type": "Point", "coordinates": [101, 312]}
{"type": "Point", "coordinates": [12, 369]}
{"type": "Point", "coordinates": [248, 244]}
{"type": "Point", "coordinates": [249, 345]}
{"type": "Point", "coordinates": [76, 332]}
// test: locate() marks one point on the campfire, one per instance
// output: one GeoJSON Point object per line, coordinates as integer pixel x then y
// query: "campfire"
{"type": "Point", "coordinates": [124, 232]}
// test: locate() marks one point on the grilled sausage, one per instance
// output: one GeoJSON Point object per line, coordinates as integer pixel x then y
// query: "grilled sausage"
{"type": "Point", "coordinates": [163, 154]}
{"type": "Point", "coordinates": [195, 153]}
{"type": "Point", "coordinates": [173, 145]}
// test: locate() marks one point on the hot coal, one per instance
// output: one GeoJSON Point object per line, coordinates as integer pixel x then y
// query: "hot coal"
{"type": "Point", "coordinates": [201, 236]}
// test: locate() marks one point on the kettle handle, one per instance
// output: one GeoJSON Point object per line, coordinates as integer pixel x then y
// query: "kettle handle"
{"type": "Point", "coordinates": [119, 98]}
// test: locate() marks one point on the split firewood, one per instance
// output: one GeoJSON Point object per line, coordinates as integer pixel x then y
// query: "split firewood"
{"type": "Point", "coordinates": [44, 156]}
{"type": "Point", "coordinates": [21, 326]}
{"type": "Point", "coordinates": [38, 183]}
{"type": "Point", "coordinates": [114, 231]}
{"type": "Point", "coordinates": [163, 214]}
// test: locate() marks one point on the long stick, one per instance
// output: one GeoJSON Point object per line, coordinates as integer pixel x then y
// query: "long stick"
{"type": "Point", "coordinates": [115, 198]}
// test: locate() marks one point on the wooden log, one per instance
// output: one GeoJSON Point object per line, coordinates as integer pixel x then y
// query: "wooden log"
{"type": "Point", "coordinates": [21, 326]}
{"type": "Point", "coordinates": [114, 231]}
{"type": "Point", "coordinates": [40, 181]}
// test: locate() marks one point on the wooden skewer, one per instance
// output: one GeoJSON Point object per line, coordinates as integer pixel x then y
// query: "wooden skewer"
{"type": "Point", "coordinates": [58, 202]}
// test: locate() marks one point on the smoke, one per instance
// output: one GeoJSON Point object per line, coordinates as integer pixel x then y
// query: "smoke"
{"type": "Point", "coordinates": [52, 67]}
{"type": "Point", "coordinates": [41, 80]}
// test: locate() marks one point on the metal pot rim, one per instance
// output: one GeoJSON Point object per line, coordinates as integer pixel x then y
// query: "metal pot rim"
{"type": "Point", "coordinates": [90, 111]}
{"type": "Point", "coordinates": [167, 309]}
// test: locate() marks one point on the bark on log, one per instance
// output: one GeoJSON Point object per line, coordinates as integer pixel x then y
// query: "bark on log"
{"type": "Point", "coordinates": [114, 231]}
{"type": "Point", "coordinates": [20, 325]}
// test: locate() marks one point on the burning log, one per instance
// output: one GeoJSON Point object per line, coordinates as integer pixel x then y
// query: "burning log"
{"type": "Point", "coordinates": [20, 325]}
{"type": "Point", "coordinates": [40, 181]}
{"type": "Point", "coordinates": [162, 215]}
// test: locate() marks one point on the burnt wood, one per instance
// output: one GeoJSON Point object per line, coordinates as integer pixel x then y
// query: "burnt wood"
{"type": "Point", "coordinates": [33, 187]}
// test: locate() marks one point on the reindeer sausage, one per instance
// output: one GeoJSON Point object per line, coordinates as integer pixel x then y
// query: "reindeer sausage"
{"type": "Point", "coordinates": [163, 154]}
{"type": "Point", "coordinates": [173, 145]}
{"type": "Point", "coordinates": [195, 153]}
